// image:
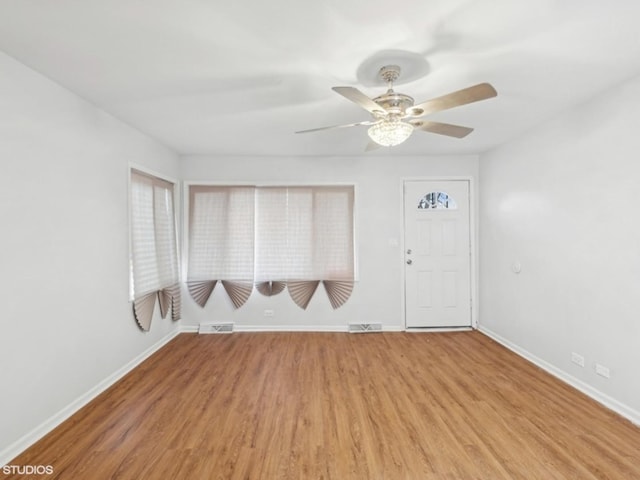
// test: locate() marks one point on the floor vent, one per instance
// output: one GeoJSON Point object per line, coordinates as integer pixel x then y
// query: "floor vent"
{"type": "Point", "coordinates": [216, 327]}
{"type": "Point", "coordinates": [365, 327]}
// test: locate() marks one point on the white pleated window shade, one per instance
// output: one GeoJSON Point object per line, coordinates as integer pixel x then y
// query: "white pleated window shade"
{"type": "Point", "coordinates": [154, 249]}
{"type": "Point", "coordinates": [271, 236]}
{"type": "Point", "coordinates": [221, 233]}
{"type": "Point", "coordinates": [300, 234]}
{"type": "Point", "coordinates": [333, 242]}
{"type": "Point", "coordinates": [304, 233]}
{"type": "Point", "coordinates": [165, 228]}
{"type": "Point", "coordinates": [154, 253]}
{"type": "Point", "coordinates": [271, 249]}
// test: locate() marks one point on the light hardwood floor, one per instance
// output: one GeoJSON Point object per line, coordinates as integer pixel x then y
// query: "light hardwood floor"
{"type": "Point", "coordinates": [339, 406]}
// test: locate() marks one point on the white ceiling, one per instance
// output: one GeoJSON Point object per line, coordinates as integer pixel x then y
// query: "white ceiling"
{"type": "Point", "coordinates": [239, 77]}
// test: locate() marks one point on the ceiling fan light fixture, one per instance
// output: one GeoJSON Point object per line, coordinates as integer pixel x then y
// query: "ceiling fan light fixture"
{"type": "Point", "coordinates": [390, 132]}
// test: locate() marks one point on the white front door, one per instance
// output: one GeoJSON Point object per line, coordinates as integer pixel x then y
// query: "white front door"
{"type": "Point", "coordinates": [437, 254]}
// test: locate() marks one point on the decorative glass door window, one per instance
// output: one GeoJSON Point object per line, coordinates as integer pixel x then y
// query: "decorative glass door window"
{"type": "Point", "coordinates": [437, 200]}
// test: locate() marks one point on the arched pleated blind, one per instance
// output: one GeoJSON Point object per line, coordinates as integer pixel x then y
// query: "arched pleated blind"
{"type": "Point", "coordinates": [282, 236]}
{"type": "Point", "coordinates": [154, 253]}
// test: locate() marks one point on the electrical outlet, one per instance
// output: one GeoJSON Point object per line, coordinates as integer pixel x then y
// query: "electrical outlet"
{"type": "Point", "coordinates": [577, 359]}
{"type": "Point", "coordinates": [269, 313]}
{"type": "Point", "coordinates": [602, 371]}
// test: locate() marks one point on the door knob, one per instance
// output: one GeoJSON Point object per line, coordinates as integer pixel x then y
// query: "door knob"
{"type": "Point", "coordinates": [409, 252]}
{"type": "Point", "coordinates": [409, 262]}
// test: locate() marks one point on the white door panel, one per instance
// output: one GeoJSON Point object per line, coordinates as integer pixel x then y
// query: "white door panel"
{"type": "Point", "coordinates": [437, 254]}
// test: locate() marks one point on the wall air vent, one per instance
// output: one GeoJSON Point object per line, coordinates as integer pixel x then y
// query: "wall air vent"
{"type": "Point", "coordinates": [226, 327]}
{"type": "Point", "coordinates": [365, 327]}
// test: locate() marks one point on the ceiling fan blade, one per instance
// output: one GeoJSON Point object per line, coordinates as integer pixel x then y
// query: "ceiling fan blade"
{"type": "Point", "coordinates": [442, 128]}
{"type": "Point", "coordinates": [482, 91]}
{"type": "Point", "coordinates": [356, 96]}
{"type": "Point", "coordinates": [337, 126]}
{"type": "Point", "coordinates": [371, 146]}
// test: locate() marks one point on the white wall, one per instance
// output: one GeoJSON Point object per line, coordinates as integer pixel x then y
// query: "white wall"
{"type": "Point", "coordinates": [563, 202]}
{"type": "Point", "coordinates": [377, 296]}
{"type": "Point", "coordinates": [66, 323]}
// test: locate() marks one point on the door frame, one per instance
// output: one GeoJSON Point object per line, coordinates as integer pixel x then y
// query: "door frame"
{"type": "Point", "coordinates": [473, 243]}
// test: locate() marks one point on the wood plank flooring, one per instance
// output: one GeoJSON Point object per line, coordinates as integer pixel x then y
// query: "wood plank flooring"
{"type": "Point", "coordinates": [339, 406]}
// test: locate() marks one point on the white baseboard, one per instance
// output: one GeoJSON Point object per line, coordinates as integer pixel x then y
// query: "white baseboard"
{"type": "Point", "coordinates": [189, 328]}
{"type": "Point", "coordinates": [602, 398]}
{"type": "Point", "coordinates": [438, 329]}
{"type": "Point", "coordinates": [16, 448]}
{"type": "Point", "coordinates": [393, 328]}
{"type": "Point", "coordinates": [290, 328]}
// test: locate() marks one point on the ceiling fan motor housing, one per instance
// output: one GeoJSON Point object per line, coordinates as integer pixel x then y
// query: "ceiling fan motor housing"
{"type": "Point", "coordinates": [393, 102]}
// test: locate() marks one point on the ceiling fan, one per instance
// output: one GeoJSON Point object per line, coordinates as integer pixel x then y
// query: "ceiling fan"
{"type": "Point", "coordinates": [395, 117]}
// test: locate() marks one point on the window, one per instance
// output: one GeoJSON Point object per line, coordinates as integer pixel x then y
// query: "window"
{"type": "Point", "coordinates": [304, 233]}
{"type": "Point", "coordinates": [437, 200]}
{"type": "Point", "coordinates": [221, 242]}
{"type": "Point", "coordinates": [154, 253]}
{"type": "Point", "coordinates": [271, 237]}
